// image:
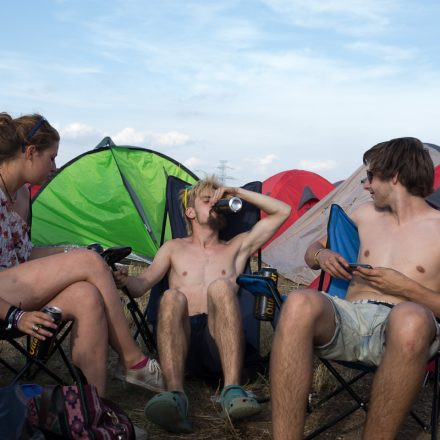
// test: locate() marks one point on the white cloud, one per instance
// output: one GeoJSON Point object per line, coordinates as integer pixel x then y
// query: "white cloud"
{"type": "Point", "coordinates": [193, 162]}
{"type": "Point", "coordinates": [266, 160]}
{"type": "Point", "coordinates": [354, 17]}
{"type": "Point", "coordinates": [388, 53]}
{"type": "Point", "coordinates": [170, 139]}
{"type": "Point", "coordinates": [261, 165]}
{"type": "Point", "coordinates": [78, 130]}
{"type": "Point", "coordinates": [319, 165]}
{"type": "Point", "coordinates": [131, 136]}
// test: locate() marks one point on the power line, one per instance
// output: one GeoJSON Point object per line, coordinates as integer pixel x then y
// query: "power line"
{"type": "Point", "coordinates": [222, 175]}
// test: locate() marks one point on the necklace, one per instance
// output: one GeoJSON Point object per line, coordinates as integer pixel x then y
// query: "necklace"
{"type": "Point", "coordinates": [11, 199]}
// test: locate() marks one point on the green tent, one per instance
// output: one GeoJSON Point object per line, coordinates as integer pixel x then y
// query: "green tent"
{"type": "Point", "coordinates": [112, 195]}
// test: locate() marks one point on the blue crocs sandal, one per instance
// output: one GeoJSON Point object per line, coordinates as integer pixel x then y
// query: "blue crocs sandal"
{"type": "Point", "coordinates": [237, 404]}
{"type": "Point", "coordinates": [169, 410]}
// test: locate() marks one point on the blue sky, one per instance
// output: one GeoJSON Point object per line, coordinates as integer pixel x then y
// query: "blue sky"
{"type": "Point", "coordinates": [268, 85]}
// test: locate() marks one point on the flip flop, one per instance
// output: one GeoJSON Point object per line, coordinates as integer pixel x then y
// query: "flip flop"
{"type": "Point", "coordinates": [237, 404]}
{"type": "Point", "coordinates": [170, 410]}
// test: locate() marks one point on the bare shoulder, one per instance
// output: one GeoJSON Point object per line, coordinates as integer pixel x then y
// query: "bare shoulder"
{"type": "Point", "coordinates": [432, 218]}
{"type": "Point", "coordinates": [365, 212]}
{"type": "Point", "coordinates": [173, 245]}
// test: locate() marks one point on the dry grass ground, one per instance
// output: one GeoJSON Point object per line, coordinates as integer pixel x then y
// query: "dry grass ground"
{"type": "Point", "coordinates": [205, 411]}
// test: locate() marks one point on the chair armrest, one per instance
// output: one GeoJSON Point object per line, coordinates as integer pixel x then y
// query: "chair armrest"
{"type": "Point", "coordinates": [259, 285]}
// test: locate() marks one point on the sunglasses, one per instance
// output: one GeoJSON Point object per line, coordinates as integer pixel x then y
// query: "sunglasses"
{"type": "Point", "coordinates": [369, 177]}
{"type": "Point", "coordinates": [34, 129]}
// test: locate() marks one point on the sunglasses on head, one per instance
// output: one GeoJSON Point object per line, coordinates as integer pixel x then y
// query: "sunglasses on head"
{"type": "Point", "coordinates": [35, 128]}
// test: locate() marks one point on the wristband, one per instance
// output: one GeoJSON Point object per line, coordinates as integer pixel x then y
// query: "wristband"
{"type": "Point", "coordinates": [315, 256]}
{"type": "Point", "coordinates": [17, 318]}
{"type": "Point", "coordinates": [12, 317]}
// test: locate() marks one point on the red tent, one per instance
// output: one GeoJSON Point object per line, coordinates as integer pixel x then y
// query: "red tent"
{"type": "Point", "coordinates": [300, 189]}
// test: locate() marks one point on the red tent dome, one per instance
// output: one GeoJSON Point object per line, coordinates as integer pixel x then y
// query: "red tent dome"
{"type": "Point", "coordinates": [300, 189]}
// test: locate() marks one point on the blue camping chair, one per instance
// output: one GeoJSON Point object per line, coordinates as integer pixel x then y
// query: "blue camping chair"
{"type": "Point", "coordinates": [342, 237]}
{"type": "Point", "coordinates": [237, 223]}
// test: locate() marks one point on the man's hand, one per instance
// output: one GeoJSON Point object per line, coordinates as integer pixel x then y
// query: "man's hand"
{"type": "Point", "coordinates": [334, 264]}
{"type": "Point", "coordinates": [222, 192]}
{"type": "Point", "coordinates": [387, 281]}
{"type": "Point", "coordinates": [120, 276]}
{"type": "Point", "coordinates": [31, 323]}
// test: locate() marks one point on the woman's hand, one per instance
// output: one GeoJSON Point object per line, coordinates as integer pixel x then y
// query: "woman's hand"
{"type": "Point", "coordinates": [32, 324]}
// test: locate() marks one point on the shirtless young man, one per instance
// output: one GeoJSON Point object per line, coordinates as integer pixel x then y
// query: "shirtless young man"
{"type": "Point", "coordinates": [399, 235]}
{"type": "Point", "coordinates": [199, 316]}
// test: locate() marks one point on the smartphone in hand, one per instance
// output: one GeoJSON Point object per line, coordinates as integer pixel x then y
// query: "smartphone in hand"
{"type": "Point", "coordinates": [354, 266]}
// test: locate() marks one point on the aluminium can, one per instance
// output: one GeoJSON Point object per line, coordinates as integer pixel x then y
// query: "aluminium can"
{"type": "Point", "coordinates": [41, 349]}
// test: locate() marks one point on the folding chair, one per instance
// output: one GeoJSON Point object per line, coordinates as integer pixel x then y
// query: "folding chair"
{"type": "Point", "coordinates": [32, 365]}
{"type": "Point", "coordinates": [236, 223]}
{"type": "Point", "coordinates": [342, 237]}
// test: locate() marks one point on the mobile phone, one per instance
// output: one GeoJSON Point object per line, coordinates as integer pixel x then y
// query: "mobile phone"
{"type": "Point", "coordinates": [354, 266]}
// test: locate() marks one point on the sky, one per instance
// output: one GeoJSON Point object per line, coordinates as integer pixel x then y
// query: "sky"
{"type": "Point", "coordinates": [265, 85]}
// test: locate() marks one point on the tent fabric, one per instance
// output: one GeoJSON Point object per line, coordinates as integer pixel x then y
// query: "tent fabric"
{"type": "Point", "coordinates": [113, 195]}
{"type": "Point", "coordinates": [300, 189]}
{"type": "Point", "coordinates": [287, 251]}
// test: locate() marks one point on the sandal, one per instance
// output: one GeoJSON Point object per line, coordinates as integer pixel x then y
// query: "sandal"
{"type": "Point", "coordinates": [237, 404]}
{"type": "Point", "coordinates": [170, 410]}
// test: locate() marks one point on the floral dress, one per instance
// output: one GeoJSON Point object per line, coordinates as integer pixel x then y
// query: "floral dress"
{"type": "Point", "coordinates": [15, 245]}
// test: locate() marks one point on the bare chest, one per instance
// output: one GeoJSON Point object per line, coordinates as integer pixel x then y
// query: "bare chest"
{"type": "Point", "coordinates": [410, 250]}
{"type": "Point", "coordinates": [202, 266]}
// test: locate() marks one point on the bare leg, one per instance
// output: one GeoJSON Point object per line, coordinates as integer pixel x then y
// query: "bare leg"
{"type": "Point", "coordinates": [82, 303]}
{"type": "Point", "coordinates": [409, 332]}
{"type": "Point", "coordinates": [226, 328]}
{"type": "Point", "coordinates": [34, 283]}
{"type": "Point", "coordinates": [173, 333]}
{"type": "Point", "coordinates": [306, 320]}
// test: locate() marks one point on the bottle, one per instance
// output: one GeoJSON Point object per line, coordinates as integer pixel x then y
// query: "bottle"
{"type": "Point", "coordinates": [233, 204]}
{"type": "Point", "coordinates": [264, 306]}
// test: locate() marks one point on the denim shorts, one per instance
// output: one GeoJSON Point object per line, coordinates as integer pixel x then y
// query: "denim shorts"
{"type": "Point", "coordinates": [360, 333]}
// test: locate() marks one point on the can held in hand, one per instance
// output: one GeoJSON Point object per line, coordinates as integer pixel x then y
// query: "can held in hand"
{"type": "Point", "coordinates": [233, 204]}
{"type": "Point", "coordinates": [264, 306]}
{"type": "Point", "coordinates": [41, 349]}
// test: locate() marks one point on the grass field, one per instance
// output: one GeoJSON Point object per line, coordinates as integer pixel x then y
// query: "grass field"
{"type": "Point", "coordinates": [205, 411]}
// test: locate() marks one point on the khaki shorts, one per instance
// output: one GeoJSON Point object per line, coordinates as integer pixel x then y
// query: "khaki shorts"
{"type": "Point", "coordinates": [360, 333]}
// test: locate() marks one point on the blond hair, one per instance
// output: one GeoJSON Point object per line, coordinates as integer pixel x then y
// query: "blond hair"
{"type": "Point", "coordinates": [188, 196]}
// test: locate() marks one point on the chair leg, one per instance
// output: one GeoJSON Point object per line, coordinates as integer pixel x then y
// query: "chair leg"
{"type": "Point", "coordinates": [435, 400]}
{"type": "Point", "coordinates": [63, 332]}
{"type": "Point", "coordinates": [345, 385]}
{"type": "Point", "coordinates": [32, 361]}
{"type": "Point", "coordinates": [141, 324]}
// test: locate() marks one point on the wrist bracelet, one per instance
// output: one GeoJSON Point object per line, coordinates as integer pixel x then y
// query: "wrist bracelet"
{"type": "Point", "coordinates": [12, 317]}
{"type": "Point", "coordinates": [18, 315]}
{"type": "Point", "coordinates": [315, 256]}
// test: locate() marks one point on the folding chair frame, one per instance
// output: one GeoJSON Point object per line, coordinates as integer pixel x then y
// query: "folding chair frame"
{"type": "Point", "coordinates": [32, 365]}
